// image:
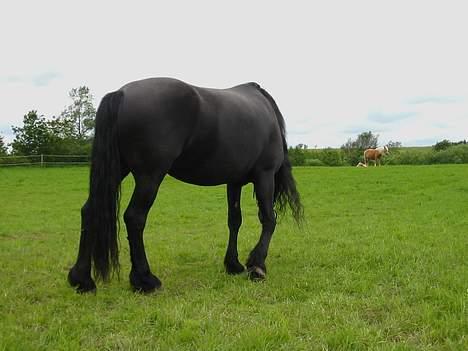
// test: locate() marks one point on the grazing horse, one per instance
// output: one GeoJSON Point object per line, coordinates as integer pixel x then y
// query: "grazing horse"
{"type": "Point", "coordinates": [201, 136]}
{"type": "Point", "coordinates": [375, 154]}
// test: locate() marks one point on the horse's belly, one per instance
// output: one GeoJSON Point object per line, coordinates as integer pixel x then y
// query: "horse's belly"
{"type": "Point", "coordinates": [211, 172]}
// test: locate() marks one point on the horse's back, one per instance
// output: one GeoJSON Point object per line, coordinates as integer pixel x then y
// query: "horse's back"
{"type": "Point", "coordinates": [199, 135]}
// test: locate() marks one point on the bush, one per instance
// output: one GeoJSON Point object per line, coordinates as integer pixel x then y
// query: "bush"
{"type": "Point", "coordinates": [325, 157]}
{"type": "Point", "coordinates": [452, 154]}
{"type": "Point", "coordinates": [332, 157]}
{"type": "Point", "coordinates": [297, 156]}
{"type": "Point", "coordinates": [352, 157]}
{"type": "Point", "coordinates": [411, 157]}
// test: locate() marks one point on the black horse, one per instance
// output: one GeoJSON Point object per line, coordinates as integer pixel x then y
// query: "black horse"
{"type": "Point", "coordinates": [160, 126]}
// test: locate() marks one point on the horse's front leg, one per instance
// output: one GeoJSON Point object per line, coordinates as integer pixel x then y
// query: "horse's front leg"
{"type": "Point", "coordinates": [144, 194]}
{"type": "Point", "coordinates": [231, 260]}
{"type": "Point", "coordinates": [264, 190]}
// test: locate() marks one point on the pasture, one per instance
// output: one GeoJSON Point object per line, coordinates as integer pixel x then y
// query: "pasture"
{"type": "Point", "coordinates": [381, 264]}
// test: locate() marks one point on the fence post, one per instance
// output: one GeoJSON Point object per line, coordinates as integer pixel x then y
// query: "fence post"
{"type": "Point", "coordinates": [42, 160]}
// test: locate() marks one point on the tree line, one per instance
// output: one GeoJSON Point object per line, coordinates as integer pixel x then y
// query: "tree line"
{"type": "Point", "coordinates": [69, 133]}
{"type": "Point", "coordinates": [351, 153]}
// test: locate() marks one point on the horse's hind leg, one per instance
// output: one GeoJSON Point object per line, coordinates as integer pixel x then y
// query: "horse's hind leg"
{"type": "Point", "coordinates": [264, 190]}
{"type": "Point", "coordinates": [144, 194]}
{"type": "Point", "coordinates": [80, 274]}
{"type": "Point", "coordinates": [231, 260]}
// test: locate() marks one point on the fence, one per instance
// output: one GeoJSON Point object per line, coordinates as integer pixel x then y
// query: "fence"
{"type": "Point", "coordinates": [44, 160]}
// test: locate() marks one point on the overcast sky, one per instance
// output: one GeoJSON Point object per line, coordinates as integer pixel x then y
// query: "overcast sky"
{"type": "Point", "coordinates": [335, 68]}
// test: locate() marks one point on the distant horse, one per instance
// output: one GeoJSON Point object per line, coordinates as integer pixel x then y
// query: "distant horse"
{"type": "Point", "coordinates": [375, 154]}
{"type": "Point", "coordinates": [202, 136]}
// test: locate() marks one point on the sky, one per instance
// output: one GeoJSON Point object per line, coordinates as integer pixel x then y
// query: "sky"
{"type": "Point", "coordinates": [335, 68]}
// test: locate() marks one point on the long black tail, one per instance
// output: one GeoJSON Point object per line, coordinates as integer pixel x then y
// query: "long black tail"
{"type": "Point", "coordinates": [286, 192]}
{"type": "Point", "coordinates": [104, 188]}
{"type": "Point", "coordinates": [285, 186]}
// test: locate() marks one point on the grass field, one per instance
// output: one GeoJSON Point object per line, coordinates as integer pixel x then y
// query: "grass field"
{"type": "Point", "coordinates": [381, 264]}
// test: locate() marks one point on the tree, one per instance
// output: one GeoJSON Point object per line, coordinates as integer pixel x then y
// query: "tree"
{"type": "Point", "coordinates": [442, 145]}
{"type": "Point", "coordinates": [77, 120]}
{"type": "Point", "coordinates": [34, 137]}
{"type": "Point", "coordinates": [3, 148]}
{"type": "Point", "coordinates": [394, 144]}
{"type": "Point", "coordinates": [70, 133]}
{"type": "Point", "coordinates": [366, 140]}
{"type": "Point", "coordinates": [301, 146]}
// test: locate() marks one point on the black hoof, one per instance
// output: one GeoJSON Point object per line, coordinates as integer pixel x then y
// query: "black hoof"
{"type": "Point", "coordinates": [81, 283]}
{"type": "Point", "coordinates": [144, 283]}
{"type": "Point", "coordinates": [256, 273]}
{"type": "Point", "coordinates": [234, 267]}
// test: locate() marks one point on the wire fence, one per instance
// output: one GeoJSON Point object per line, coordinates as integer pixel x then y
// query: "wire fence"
{"type": "Point", "coordinates": [44, 160]}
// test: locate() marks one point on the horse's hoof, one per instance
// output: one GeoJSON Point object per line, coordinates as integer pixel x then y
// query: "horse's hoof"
{"type": "Point", "coordinates": [256, 274]}
{"type": "Point", "coordinates": [234, 268]}
{"type": "Point", "coordinates": [144, 283]}
{"type": "Point", "coordinates": [82, 285]}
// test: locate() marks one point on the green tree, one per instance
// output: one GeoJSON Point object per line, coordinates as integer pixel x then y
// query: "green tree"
{"type": "Point", "coordinates": [366, 140]}
{"type": "Point", "coordinates": [77, 120]}
{"type": "Point", "coordinates": [33, 138]}
{"type": "Point", "coordinates": [394, 144]}
{"type": "Point", "coordinates": [3, 148]}
{"type": "Point", "coordinates": [62, 142]}
{"type": "Point", "coordinates": [442, 145]}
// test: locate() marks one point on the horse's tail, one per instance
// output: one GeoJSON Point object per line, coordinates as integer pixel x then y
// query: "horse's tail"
{"type": "Point", "coordinates": [104, 188]}
{"type": "Point", "coordinates": [285, 186]}
{"type": "Point", "coordinates": [286, 192]}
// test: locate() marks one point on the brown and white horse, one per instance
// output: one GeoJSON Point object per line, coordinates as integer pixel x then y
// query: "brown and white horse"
{"type": "Point", "coordinates": [375, 154]}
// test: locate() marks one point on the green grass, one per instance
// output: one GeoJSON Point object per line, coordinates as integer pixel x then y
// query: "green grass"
{"type": "Point", "coordinates": [381, 264]}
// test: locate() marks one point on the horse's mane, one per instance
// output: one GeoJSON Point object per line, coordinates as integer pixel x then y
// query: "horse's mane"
{"type": "Point", "coordinates": [278, 114]}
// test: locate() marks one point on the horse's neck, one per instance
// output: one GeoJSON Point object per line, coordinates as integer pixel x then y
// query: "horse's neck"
{"type": "Point", "coordinates": [380, 149]}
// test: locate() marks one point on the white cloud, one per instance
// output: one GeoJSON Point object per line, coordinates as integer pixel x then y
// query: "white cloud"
{"type": "Point", "coordinates": [435, 100]}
